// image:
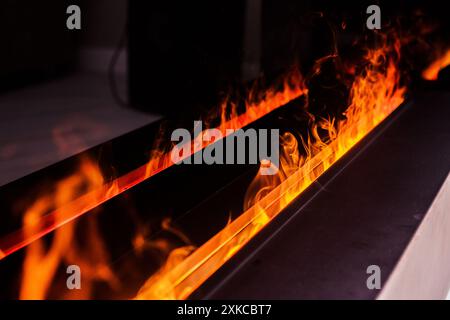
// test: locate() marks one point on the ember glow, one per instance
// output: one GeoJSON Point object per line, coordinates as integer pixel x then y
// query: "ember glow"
{"type": "Point", "coordinates": [432, 72]}
{"type": "Point", "coordinates": [257, 105]}
{"type": "Point", "coordinates": [375, 94]}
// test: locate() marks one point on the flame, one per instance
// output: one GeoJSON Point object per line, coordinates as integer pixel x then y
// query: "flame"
{"type": "Point", "coordinates": [375, 94]}
{"type": "Point", "coordinates": [432, 72]}
{"type": "Point", "coordinates": [40, 264]}
{"type": "Point", "coordinates": [256, 106]}
{"type": "Point", "coordinates": [155, 287]}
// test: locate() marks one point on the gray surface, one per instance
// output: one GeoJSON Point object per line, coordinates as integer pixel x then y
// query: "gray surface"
{"type": "Point", "coordinates": [45, 123]}
{"type": "Point", "coordinates": [321, 246]}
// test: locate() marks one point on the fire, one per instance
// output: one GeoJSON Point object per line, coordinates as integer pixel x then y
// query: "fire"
{"type": "Point", "coordinates": [432, 72]}
{"type": "Point", "coordinates": [85, 189]}
{"type": "Point", "coordinates": [375, 94]}
{"type": "Point", "coordinates": [41, 263]}
{"type": "Point", "coordinates": [155, 288]}
{"type": "Point", "coordinates": [256, 106]}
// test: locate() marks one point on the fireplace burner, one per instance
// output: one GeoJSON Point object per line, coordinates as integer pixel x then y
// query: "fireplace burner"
{"type": "Point", "coordinates": [356, 181]}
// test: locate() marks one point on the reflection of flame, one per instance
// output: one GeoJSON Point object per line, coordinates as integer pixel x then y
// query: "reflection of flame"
{"type": "Point", "coordinates": [71, 134]}
{"type": "Point", "coordinates": [375, 94]}
{"type": "Point", "coordinates": [432, 72]}
{"type": "Point", "coordinates": [256, 106]}
{"type": "Point", "coordinates": [40, 264]}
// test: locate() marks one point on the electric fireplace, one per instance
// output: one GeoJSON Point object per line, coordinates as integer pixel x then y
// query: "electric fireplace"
{"type": "Point", "coordinates": [358, 180]}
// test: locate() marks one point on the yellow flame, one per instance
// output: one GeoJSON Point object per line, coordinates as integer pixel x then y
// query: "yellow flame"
{"type": "Point", "coordinates": [85, 189]}
{"type": "Point", "coordinates": [375, 94]}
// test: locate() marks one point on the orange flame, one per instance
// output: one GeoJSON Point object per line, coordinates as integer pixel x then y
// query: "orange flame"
{"type": "Point", "coordinates": [375, 94]}
{"type": "Point", "coordinates": [154, 287]}
{"type": "Point", "coordinates": [40, 264]}
{"type": "Point", "coordinates": [256, 106]}
{"type": "Point", "coordinates": [86, 189]}
{"type": "Point", "coordinates": [432, 72]}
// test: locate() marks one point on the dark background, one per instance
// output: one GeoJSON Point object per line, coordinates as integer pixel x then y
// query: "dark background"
{"type": "Point", "coordinates": [186, 56]}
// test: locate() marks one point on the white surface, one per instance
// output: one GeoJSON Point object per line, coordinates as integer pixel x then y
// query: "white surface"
{"type": "Point", "coordinates": [423, 271]}
{"type": "Point", "coordinates": [45, 123]}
